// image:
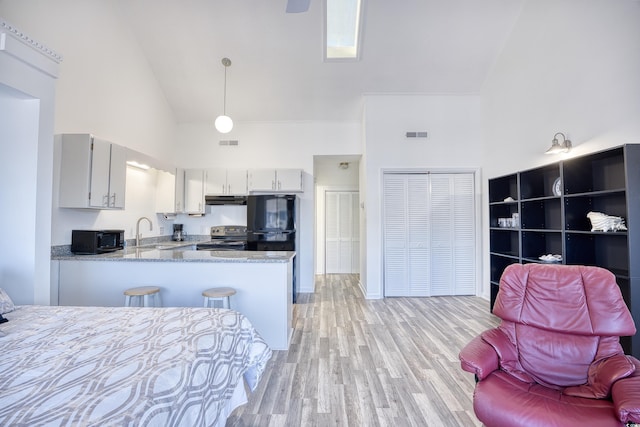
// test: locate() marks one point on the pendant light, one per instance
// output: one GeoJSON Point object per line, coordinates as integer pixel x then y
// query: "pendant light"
{"type": "Point", "coordinates": [223, 123]}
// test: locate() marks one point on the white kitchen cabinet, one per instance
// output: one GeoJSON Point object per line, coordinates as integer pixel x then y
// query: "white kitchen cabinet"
{"type": "Point", "coordinates": [275, 180]}
{"type": "Point", "coordinates": [92, 173]}
{"type": "Point", "coordinates": [117, 176]}
{"type": "Point", "coordinates": [194, 191]}
{"type": "Point", "coordinates": [179, 191]}
{"type": "Point", "coordinates": [225, 182]}
{"type": "Point", "coordinates": [264, 287]}
{"type": "Point", "coordinates": [170, 191]}
{"type": "Point", "coordinates": [165, 192]}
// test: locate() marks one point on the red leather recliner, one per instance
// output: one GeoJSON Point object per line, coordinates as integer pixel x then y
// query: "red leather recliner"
{"type": "Point", "coordinates": [555, 359]}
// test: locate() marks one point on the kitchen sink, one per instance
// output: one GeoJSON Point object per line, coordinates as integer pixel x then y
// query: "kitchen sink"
{"type": "Point", "coordinates": [165, 245]}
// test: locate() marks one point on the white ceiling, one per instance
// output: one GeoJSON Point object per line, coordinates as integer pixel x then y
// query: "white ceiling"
{"type": "Point", "coordinates": [277, 71]}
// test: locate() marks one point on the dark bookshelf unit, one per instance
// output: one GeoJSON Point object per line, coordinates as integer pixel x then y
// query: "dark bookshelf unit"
{"type": "Point", "coordinates": [551, 203]}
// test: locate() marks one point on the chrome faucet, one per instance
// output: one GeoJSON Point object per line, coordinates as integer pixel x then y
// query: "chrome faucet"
{"type": "Point", "coordinates": [138, 228]}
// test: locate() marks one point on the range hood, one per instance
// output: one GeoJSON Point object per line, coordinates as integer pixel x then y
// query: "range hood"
{"type": "Point", "coordinates": [225, 200]}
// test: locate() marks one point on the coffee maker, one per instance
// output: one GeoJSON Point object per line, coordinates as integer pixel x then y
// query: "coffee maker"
{"type": "Point", "coordinates": [178, 234]}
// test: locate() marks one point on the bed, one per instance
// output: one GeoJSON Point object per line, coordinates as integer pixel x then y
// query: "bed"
{"type": "Point", "coordinates": [121, 366]}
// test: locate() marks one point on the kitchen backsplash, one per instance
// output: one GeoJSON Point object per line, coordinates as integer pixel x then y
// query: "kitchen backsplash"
{"type": "Point", "coordinates": [215, 215]}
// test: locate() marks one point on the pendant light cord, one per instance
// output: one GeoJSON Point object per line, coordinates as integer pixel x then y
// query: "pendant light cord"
{"type": "Point", "coordinates": [227, 63]}
{"type": "Point", "coordinates": [224, 102]}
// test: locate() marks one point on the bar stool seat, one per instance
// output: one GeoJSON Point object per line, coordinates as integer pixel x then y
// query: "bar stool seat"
{"type": "Point", "coordinates": [143, 296]}
{"type": "Point", "coordinates": [218, 294]}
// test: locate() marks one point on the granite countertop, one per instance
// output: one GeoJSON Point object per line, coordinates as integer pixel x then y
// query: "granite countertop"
{"type": "Point", "coordinates": [162, 250]}
{"type": "Point", "coordinates": [186, 253]}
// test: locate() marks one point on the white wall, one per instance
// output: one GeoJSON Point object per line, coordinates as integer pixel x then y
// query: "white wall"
{"type": "Point", "coordinates": [327, 171]}
{"type": "Point", "coordinates": [18, 132]}
{"type": "Point", "coordinates": [453, 142]}
{"type": "Point", "coordinates": [569, 66]}
{"type": "Point", "coordinates": [270, 145]}
{"type": "Point", "coordinates": [105, 88]}
{"type": "Point", "coordinates": [26, 135]}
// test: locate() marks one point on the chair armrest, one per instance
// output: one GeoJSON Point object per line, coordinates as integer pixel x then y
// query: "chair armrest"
{"type": "Point", "coordinates": [625, 394]}
{"type": "Point", "coordinates": [602, 375]}
{"type": "Point", "coordinates": [479, 358]}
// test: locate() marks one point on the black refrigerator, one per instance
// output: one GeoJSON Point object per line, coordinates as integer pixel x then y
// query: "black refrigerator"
{"type": "Point", "coordinates": [271, 225]}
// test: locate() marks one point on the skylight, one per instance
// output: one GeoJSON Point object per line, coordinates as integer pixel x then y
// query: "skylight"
{"type": "Point", "coordinates": [342, 29]}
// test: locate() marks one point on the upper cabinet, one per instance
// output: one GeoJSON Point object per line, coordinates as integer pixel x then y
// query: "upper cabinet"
{"type": "Point", "coordinates": [194, 191]}
{"type": "Point", "coordinates": [165, 192]}
{"type": "Point", "coordinates": [170, 191]}
{"type": "Point", "coordinates": [179, 191]}
{"type": "Point", "coordinates": [275, 180]}
{"type": "Point", "coordinates": [225, 182]}
{"type": "Point", "coordinates": [92, 173]}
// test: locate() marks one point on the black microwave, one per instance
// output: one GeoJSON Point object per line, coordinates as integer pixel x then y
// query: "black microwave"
{"type": "Point", "coordinates": [96, 241]}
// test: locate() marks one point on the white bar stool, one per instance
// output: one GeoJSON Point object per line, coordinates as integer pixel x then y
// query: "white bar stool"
{"type": "Point", "coordinates": [143, 296]}
{"type": "Point", "coordinates": [218, 294]}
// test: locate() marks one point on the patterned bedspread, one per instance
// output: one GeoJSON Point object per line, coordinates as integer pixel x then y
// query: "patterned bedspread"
{"type": "Point", "coordinates": [121, 366]}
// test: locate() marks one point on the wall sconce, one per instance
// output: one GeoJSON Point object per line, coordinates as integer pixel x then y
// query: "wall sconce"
{"type": "Point", "coordinates": [557, 147]}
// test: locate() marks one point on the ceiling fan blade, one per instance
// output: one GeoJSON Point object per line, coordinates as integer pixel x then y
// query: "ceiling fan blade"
{"type": "Point", "coordinates": [297, 6]}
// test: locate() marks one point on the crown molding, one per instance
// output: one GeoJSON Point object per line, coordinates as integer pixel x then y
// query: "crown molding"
{"type": "Point", "coordinates": [22, 47]}
{"type": "Point", "coordinates": [16, 33]}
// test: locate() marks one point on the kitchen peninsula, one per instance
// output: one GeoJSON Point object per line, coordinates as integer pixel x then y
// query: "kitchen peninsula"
{"type": "Point", "coordinates": [263, 281]}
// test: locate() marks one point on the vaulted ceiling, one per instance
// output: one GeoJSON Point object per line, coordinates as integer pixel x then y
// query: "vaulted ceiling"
{"type": "Point", "coordinates": [278, 72]}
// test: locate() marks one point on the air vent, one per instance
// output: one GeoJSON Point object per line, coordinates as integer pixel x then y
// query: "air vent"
{"type": "Point", "coordinates": [229, 142]}
{"type": "Point", "coordinates": [416, 134]}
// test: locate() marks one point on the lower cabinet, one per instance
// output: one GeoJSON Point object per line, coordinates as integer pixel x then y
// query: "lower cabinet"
{"type": "Point", "coordinates": [263, 289]}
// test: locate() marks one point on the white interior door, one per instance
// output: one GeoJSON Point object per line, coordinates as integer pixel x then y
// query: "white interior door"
{"type": "Point", "coordinates": [406, 235]}
{"type": "Point", "coordinates": [419, 235]}
{"type": "Point", "coordinates": [429, 234]}
{"type": "Point", "coordinates": [453, 234]}
{"type": "Point", "coordinates": [355, 233]}
{"type": "Point", "coordinates": [395, 235]}
{"type": "Point", "coordinates": [341, 232]}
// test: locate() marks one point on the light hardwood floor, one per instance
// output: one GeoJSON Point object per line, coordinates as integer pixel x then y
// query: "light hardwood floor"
{"type": "Point", "coordinates": [357, 362]}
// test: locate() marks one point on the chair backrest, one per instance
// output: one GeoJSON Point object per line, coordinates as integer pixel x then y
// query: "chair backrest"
{"type": "Point", "coordinates": [561, 318]}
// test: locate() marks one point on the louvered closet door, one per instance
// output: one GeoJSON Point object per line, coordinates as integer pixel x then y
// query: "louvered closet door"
{"type": "Point", "coordinates": [418, 208]}
{"type": "Point", "coordinates": [355, 233]}
{"type": "Point", "coordinates": [341, 232]}
{"type": "Point", "coordinates": [429, 234]}
{"type": "Point", "coordinates": [452, 234]}
{"type": "Point", "coordinates": [406, 235]}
